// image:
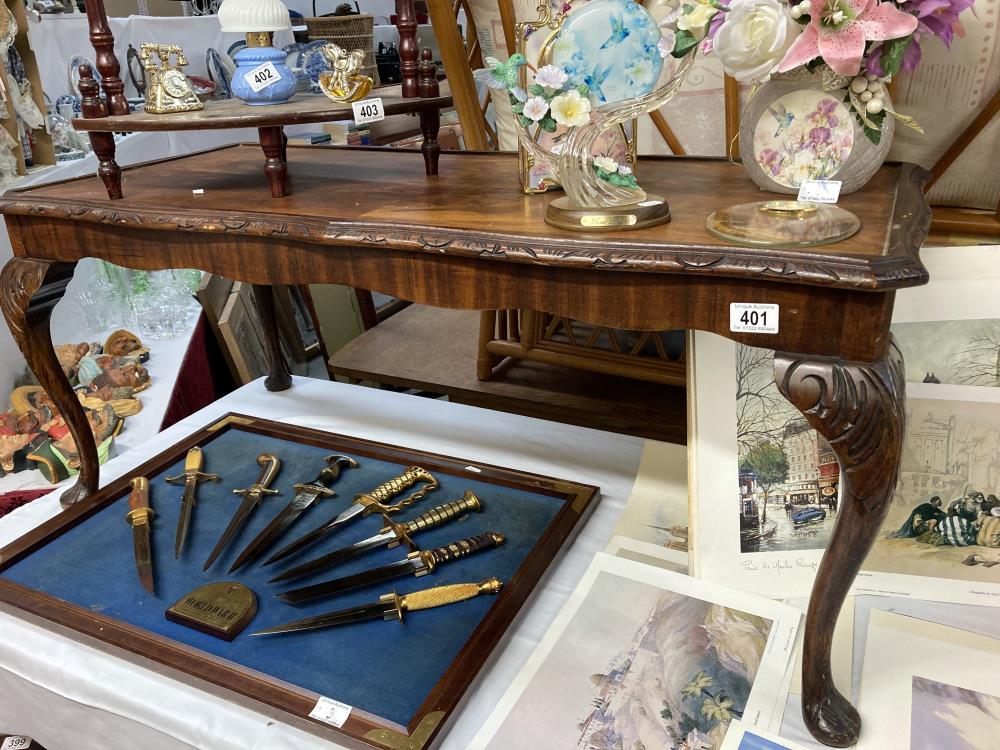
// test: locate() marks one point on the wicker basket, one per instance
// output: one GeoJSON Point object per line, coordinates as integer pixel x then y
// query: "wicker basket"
{"type": "Point", "coordinates": [351, 33]}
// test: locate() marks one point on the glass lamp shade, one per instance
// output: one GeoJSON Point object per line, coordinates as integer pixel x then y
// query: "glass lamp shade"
{"type": "Point", "coordinates": [245, 16]}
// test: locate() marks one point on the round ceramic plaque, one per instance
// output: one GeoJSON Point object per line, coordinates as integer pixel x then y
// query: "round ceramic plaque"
{"type": "Point", "coordinates": [609, 46]}
{"type": "Point", "coordinates": [803, 135]}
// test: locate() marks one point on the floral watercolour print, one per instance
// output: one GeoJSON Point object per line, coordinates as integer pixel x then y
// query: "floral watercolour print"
{"type": "Point", "coordinates": [805, 135]}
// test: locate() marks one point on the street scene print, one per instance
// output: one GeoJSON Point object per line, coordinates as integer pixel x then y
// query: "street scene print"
{"type": "Point", "coordinates": [956, 718]}
{"type": "Point", "coordinates": [789, 477]}
{"type": "Point", "coordinates": [957, 352]}
{"type": "Point", "coordinates": [944, 520]}
{"type": "Point", "coordinates": [639, 667]}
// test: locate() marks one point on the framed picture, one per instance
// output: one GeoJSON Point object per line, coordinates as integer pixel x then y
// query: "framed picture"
{"type": "Point", "coordinates": [643, 653]}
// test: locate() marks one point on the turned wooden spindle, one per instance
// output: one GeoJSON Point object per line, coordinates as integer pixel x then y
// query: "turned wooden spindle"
{"type": "Point", "coordinates": [103, 42]}
{"type": "Point", "coordinates": [92, 106]}
{"type": "Point", "coordinates": [406, 23]}
{"type": "Point", "coordinates": [427, 82]}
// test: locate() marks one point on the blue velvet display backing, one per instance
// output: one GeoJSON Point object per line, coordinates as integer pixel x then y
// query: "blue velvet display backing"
{"type": "Point", "coordinates": [382, 667]}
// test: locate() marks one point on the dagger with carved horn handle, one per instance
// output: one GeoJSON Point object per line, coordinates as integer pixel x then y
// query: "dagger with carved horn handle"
{"type": "Point", "coordinates": [140, 517]}
{"type": "Point", "coordinates": [391, 536]}
{"type": "Point", "coordinates": [391, 606]}
{"type": "Point", "coordinates": [365, 504]}
{"type": "Point", "coordinates": [416, 563]}
{"type": "Point", "coordinates": [191, 478]}
{"type": "Point", "coordinates": [252, 497]}
{"type": "Point", "coordinates": [306, 495]}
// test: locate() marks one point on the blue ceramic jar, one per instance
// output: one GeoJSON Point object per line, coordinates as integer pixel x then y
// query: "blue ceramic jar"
{"type": "Point", "coordinates": [280, 84]}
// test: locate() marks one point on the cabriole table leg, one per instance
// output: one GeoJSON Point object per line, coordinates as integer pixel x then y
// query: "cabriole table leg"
{"type": "Point", "coordinates": [29, 290]}
{"type": "Point", "coordinates": [280, 378]}
{"type": "Point", "coordinates": [858, 408]}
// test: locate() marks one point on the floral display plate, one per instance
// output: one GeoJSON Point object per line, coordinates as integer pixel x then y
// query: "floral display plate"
{"type": "Point", "coordinates": [610, 46]}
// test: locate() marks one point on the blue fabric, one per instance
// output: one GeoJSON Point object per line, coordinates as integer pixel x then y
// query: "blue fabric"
{"type": "Point", "coordinates": [382, 667]}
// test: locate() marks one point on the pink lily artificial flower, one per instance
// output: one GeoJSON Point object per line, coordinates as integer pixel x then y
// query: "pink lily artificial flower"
{"type": "Point", "coordinates": [838, 31]}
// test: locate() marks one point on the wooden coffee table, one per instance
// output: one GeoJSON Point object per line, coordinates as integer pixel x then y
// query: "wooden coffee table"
{"type": "Point", "coordinates": [471, 239]}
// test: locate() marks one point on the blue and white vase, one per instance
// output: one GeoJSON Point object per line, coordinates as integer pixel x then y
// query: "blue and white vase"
{"type": "Point", "coordinates": [280, 84]}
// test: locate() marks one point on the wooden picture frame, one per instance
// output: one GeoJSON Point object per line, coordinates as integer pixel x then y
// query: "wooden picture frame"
{"type": "Point", "coordinates": [272, 694]}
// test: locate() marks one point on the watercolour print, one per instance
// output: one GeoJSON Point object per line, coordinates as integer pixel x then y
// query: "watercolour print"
{"type": "Point", "coordinates": [641, 657]}
{"type": "Point", "coordinates": [946, 716]}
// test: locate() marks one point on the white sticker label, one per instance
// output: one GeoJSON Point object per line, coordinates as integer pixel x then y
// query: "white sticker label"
{"type": "Point", "coordinates": [368, 110]}
{"type": "Point", "coordinates": [262, 76]}
{"type": "Point", "coordinates": [749, 317]}
{"type": "Point", "coordinates": [819, 191]}
{"type": "Point", "coordinates": [331, 711]}
{"type": "Point", "coordinates": [16, 743]}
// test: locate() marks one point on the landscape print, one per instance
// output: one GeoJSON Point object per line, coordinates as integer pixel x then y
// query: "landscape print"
{"type": "Point", "coordinates": [946, 716]}
{"type": "Point", "coordinates": [944, 520]}
{"type": "Point", "coordinates": [789, 477]}
{"type": "Point", "coordinates": [957, 352]}
{"type": "Point", "coordinates": [639, 667]}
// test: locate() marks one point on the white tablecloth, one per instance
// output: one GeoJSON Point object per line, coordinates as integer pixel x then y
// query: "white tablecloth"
{"type": "Point", "coordinates": [72, 696]}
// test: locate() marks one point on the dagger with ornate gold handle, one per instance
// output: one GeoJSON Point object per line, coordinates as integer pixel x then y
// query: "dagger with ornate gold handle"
{"type": "Point", "coordinates": [416, 563]}
{"type": "Point", "coordinates": [365, 504]}
{"type": "Point", "coordinates": [140, 517]}
{"type": "Point", "coordinates": [191, 478]}
{"type": "Point", "coordinates": [252, 496]}
{"type": "Point", "coordinates": [392, 535]}
{"type": "Point", "coordinates": [391, 606]}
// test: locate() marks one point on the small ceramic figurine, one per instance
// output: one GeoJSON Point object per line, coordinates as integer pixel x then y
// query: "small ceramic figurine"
{"type": "Point", "coordinates": [344, 83]}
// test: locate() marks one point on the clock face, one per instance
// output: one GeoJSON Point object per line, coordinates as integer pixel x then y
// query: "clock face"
{"type": "Point", "coordinates": [176, 84]}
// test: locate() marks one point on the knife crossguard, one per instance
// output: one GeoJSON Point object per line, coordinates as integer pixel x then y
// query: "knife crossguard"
{"type": "Point", "coordinates": [375, 500]}
{"type": "Point", "coordinates": [269, 465]}
{"type": "Point", "coordinates": [433, 518]}
{"type": "Point", "coordinates": [192, 470]}
{"type": "Point", "coordinates": [328, 475]}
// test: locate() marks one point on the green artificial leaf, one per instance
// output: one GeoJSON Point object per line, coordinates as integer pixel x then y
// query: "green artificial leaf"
{"type": "Point", "coordinates": [684, 42]}
{"type": "Point", "coordinates": [892, 54]}
{"type": "Point", "coordinates": [872, 134]}
{"type": "Point", "coordinates": [536, 90]}
{"type": "Point", "coordinates": [548, 124]}
{"type": "Point", "coordinates": [517, 108]}
{"type": "Point", "coordinates": [583, 89]}
{"type": "Point", "coordinates": [524, 121]}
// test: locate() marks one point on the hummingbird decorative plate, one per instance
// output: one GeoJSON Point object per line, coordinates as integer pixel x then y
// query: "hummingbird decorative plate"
{"type": "Point", "coordinates": [610, 46]}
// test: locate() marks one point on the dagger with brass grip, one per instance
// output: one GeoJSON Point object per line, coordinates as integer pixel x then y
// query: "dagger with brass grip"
{"type": "Point", "coordinates": [140, 517]}
{"type": "Point", "coordinates": [252, 497]}
{"type": "Point", "coordinates": [306, 495]}
{"type": "Point", "coordinates": [391, 606]}
{"type": "Point", "coordinates": [391, 536]}
{"type": "Point", "coordinates": [365, 504]}
{"type": "Point", "coordinates": [191, 478]}
{"type": "Point", "coordinates": [416, 563]}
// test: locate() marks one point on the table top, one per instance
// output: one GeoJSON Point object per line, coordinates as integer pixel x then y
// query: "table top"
{"type": "Point", "coordinates": [475, 208]}
{"type": "Point", "coordinates": [234, 113]}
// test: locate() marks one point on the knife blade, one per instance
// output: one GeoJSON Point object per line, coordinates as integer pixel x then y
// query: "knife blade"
{"type": "Point", "coordinates": [140, 518]}
{"type": "Point", "coordinates": [365, 504]}
{"type": "Point", "coordinates": [306, 495]}
{"type": "Point", "coordinates": [416, 563]}
{"type": "Point", "coordinates": [191, 478]}
{"type": "Point", "coordinates": [390, 536]}
{"type": "Point", "coordinates": [252, 497]}
{"type": "Point", "coordinates": [391, 606]}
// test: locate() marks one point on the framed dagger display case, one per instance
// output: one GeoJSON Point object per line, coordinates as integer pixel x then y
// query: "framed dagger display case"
{"type": "Point", "coordinates": [345, 586]}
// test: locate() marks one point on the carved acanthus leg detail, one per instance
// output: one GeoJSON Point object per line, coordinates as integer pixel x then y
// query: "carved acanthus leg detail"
{"type": "Point", "coordinates": [280, 378]}
{"type": "Point", "coordinates": [29, 290]}
{"type": "Point", "coordinates": [858, 408]}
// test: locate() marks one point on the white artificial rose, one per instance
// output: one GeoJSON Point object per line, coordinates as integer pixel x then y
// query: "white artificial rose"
{"type": "Point", "coordinates": [754, 38]}
{"type": "Point", "coordinates": [606, 163]}
{"type": "Point", "coordinates": [695, 16]}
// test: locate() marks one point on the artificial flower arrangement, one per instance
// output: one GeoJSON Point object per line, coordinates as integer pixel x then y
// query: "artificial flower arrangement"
{"type": "Point", "coordinates": [862, 43]}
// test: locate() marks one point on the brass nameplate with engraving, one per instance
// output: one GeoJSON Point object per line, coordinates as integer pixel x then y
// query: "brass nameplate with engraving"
{"type": "Point", "coordinates": [221, 609]}
{"type": "Point", "coordinates": [608, 220]}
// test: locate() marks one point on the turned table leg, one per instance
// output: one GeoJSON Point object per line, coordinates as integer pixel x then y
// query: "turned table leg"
{"type": "Point", "coordinates": [430, 124]}
{"type": "Point", "coordinates": [858, 408]}
{"type": "Point", "coordinates": [272, 141]}
{"type": "Point", "coordinates": [93, 107]}
{"type": "Point", "coordinates": [29, 290]}
{"type": "Point", "coordinates": [280, 378]}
